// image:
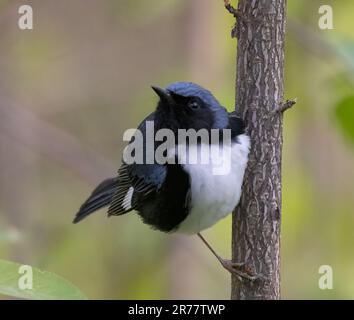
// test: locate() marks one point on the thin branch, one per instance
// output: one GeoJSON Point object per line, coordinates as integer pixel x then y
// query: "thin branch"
{"type": "Point", "coordinates": [231, 9]}
{"type": "Point", "coordinates": [287, 105]}
{"type": "Point", "coordinates": [236, 14]}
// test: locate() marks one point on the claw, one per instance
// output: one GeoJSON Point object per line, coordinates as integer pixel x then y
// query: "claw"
{"type": "Point", "coordinates": [240, 269]}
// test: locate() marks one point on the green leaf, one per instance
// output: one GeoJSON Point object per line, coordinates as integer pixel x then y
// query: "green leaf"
{"type": "Point", "coordinates": [45, 285]}
{"type": "Point", "coordinates": [345, 116]}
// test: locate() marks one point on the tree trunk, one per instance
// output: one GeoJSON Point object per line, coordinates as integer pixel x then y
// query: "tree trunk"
{"type": "Point", "coordinates": [260, 31]}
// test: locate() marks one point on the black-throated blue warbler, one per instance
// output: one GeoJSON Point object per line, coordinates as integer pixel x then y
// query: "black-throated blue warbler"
{"type": "Point", "coordinates": [181, 196]}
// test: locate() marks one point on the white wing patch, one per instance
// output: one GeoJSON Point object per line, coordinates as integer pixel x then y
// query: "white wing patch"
{"type": "Point", "coordinates": [127, 202]}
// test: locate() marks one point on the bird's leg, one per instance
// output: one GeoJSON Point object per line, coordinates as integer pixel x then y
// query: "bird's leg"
{"type": "Point", "coordinates": [239, 269]}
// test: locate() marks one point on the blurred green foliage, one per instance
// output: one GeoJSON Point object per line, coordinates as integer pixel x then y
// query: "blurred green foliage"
{"type": "Point", "coordinates": [345, 116]}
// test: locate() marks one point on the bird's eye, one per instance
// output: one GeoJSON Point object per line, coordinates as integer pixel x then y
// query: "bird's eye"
{"type": "Point", "coordinates": [193, 104]}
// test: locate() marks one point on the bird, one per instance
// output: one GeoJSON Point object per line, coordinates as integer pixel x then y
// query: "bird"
{"type": "Point", "coordinates": [178, 196]}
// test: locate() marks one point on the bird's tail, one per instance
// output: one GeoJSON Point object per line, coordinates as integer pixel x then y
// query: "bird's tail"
{"type": "Point", "coordinates": [99, 198]}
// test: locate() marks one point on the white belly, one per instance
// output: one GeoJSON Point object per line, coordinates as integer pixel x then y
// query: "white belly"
{"type": "Point", "coordinates": [215, 195]}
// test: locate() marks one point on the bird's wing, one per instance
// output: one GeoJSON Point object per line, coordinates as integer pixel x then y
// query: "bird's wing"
{"type": "Point", "coordinates": [100, 197]}
{"type": "Point", "coordinates": [136, 181]}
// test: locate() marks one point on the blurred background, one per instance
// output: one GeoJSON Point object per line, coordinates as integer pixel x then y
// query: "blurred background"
{"type": "Point", "coordinates": [73, 85]}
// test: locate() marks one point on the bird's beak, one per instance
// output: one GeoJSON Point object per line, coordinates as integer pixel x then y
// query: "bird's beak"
{"type": "Point", "coordinates": [162, 93]}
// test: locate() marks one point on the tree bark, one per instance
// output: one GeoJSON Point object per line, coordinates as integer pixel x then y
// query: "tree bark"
{"type": "Point", "coordinates": [260, 30]}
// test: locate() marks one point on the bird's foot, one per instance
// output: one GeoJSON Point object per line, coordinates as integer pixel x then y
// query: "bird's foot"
{"type": "Point", "coordinates": [241, 270]}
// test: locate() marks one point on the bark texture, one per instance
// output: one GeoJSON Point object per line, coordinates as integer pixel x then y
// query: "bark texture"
{"type": "Point", "coordinates": [260, 30]}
